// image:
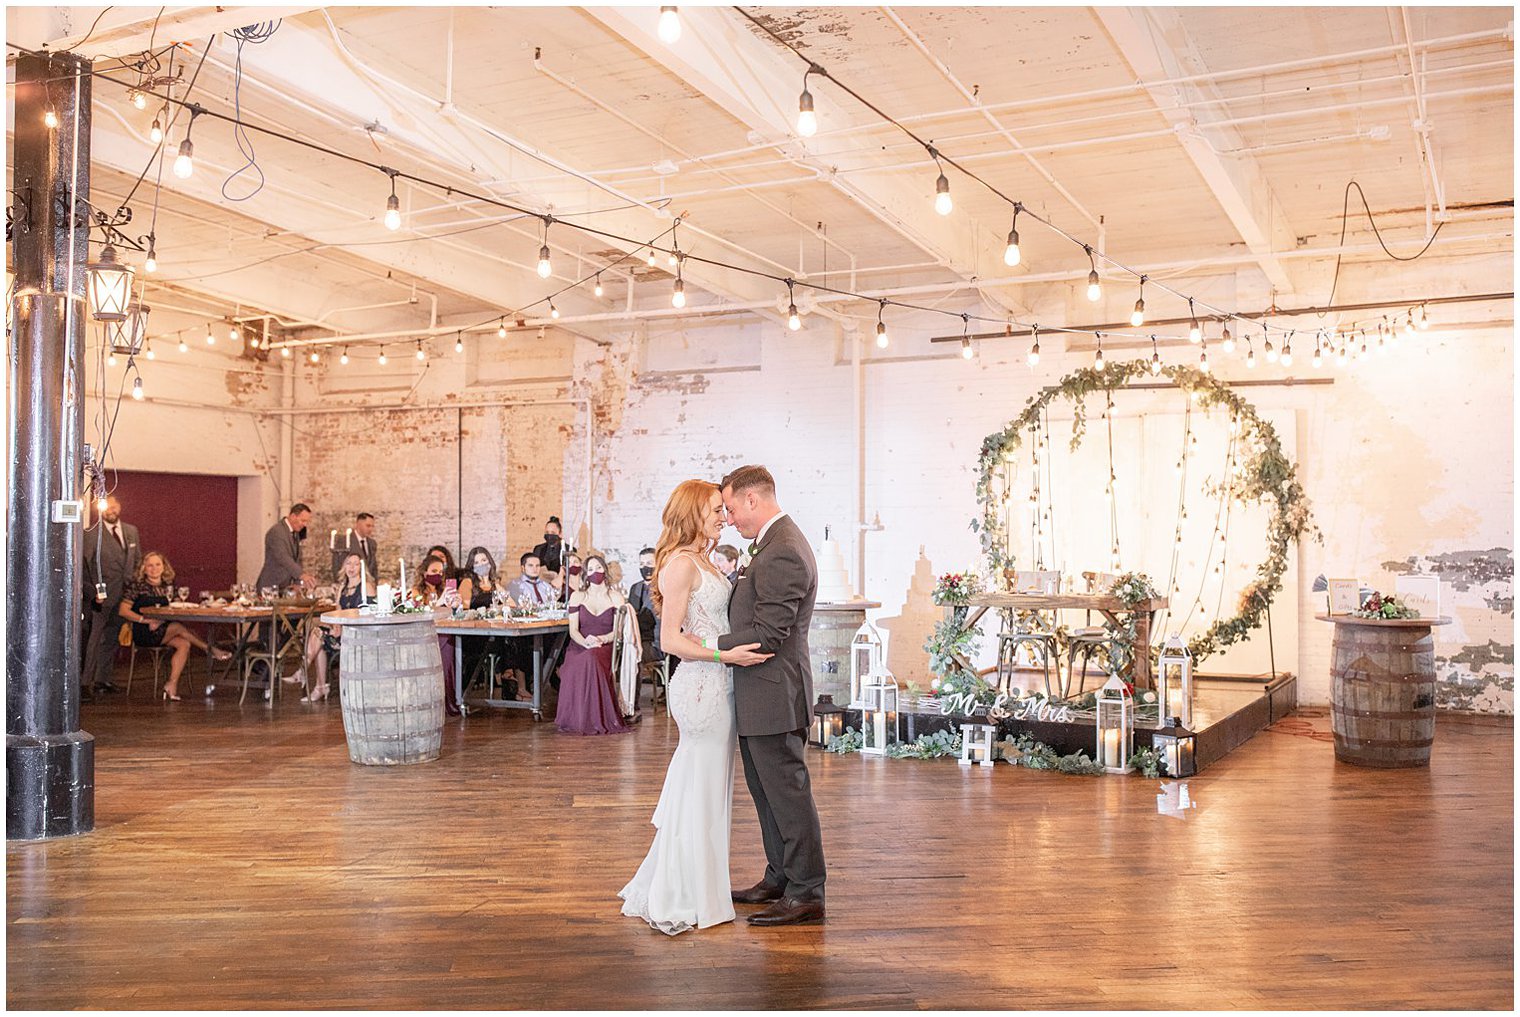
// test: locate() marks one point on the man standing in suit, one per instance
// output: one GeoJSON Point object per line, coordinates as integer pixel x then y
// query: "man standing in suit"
{"type": "Point", "coordinates": [773, 605]}
{"type": "Point", "coordinates": [282, 551]}
{"type": "Point", "coordinates": [360, 540]}
{"type": "Point", "coordinates": [112, 553]}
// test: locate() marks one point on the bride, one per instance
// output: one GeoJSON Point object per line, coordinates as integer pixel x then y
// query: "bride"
{"type": "Point", "coordinates": [683, 881]}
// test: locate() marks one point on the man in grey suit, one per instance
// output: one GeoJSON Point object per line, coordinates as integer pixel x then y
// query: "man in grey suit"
{"type": "Point", "coordinates": [772, 605]}
{"type": "Point", "coordinates": [282, 551]}
{"type": "Point", "coordinates": [112, 552]}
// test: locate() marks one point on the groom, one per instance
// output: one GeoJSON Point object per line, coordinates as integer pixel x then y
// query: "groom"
{"type": "Point", "coordinates": [772, 605]}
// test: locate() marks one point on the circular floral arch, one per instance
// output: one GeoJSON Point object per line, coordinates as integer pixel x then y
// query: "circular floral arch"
{"type": "Point", "coordinates": [1266, 474]}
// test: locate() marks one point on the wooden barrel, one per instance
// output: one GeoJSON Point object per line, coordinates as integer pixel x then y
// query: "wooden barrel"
{"type": "Point", "coordinates": [1383, 695]}
{"type": "Point", "coordinates": [829, 637]}
{"type": "Point", "coordinates": [391, 684]}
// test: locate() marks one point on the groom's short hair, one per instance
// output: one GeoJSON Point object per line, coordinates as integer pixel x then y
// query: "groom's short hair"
{"type": "Point", "coordinates": [751, 478]}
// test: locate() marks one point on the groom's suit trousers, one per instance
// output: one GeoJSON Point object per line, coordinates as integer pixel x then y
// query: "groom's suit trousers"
{"type": "Point", "coordinates": [776, 771]}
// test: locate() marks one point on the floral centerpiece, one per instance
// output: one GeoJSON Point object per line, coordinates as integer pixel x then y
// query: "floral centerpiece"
{"type": "Point", "coordinates": [1384, 606]}
{"type": "Point", "coordinates": [955, 589]}
{"type": "Point", "coordinates": [1134, 587]}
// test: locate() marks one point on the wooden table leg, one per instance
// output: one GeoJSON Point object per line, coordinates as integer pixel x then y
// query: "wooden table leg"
{"type": "Point", "coordinates": [1143, 650]}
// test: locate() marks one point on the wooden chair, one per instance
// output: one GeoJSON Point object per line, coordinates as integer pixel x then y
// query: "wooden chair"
{"type": "Point", "coordinates": [283, 634]}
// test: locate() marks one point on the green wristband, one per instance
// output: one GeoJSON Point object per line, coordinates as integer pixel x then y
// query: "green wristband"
{"type": "Point", "coordinates": [717, 656]}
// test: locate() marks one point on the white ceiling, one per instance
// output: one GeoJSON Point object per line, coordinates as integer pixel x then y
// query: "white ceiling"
{"type": "Point", "coordinates": [1234, 170]}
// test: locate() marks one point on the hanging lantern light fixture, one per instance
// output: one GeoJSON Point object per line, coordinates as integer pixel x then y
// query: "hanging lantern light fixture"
{"type": "Point", "coordinates": [109, 285]}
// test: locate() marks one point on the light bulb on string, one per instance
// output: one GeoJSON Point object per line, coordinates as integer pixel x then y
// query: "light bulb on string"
{"type": "Point", "coordinates": [1094, 287]}
{"type": "Point", "coordinates": [421, 353]}
{"type": "Point", "coordinates": [669, 26]}
{"type": "Point", "coordinates": [285, 352]}
{"type": "Point", "coordinates": [1340, 355]}
{"type": "Point", "coordinates": [1195, 331]}
{"type": "Point", "coordinates": [597, 289]}
{"type": "Point", "coordinates": [1011, 254]}
{"type": "Point", "coordinates": [50, 119]}
{"type": "Point", "coordinates": [111, 359]}
{"type": "Point", "coordinates": [343, 359]}
{"type": "Point", "coordinates": [1319, 354]}
{"type": "Point", "coordinates": [1409, 324]}
{"type": "Point", "coordinates": [210, 336]}
{"type": "Point", "coordinates": [156, 132]}
{"type": "Point", "coordinates": [315, 357]}
{"type": "Point", "coordinates": [458, 343]}
{"type": "Point", "coordinates": [1250, 355]}
{"type": "Point", "coordinates": [233, 334]}
{"type": "Point", "coordinates": [184, 162]}
{"type": "Point", "coordinates": [393, 208]}
{"type": "Point", "coordinates": [1137, 317]}
{"type": "Point", "coordinates": [942, 203]}
{"type": "Point", "coordinates": [137, 389]}
{"type": "Point", "coordinates": [1423, 321]}
{"type": "Point", "coordinates": [544, 267]}
{"type": "Point", "coordinates": [1287, 351]}
{"type": "Point", "coordinates": [1268, 348]}
{"type": "Point", "coordinates": [1155, 358]}
{"type": "Point", "coordinates": [650, 261]}
{"type": "Point", "coordinates": [150, 264]}
{"type": "Point", "coordinates": [1226, 340]}
{"type": "Point", "coordinates": [793, 319]}
{"type": "Point", "coordinates": [1098, 362]}
{"type": "Point", "coordinates": [148, 351]}
{"type": "Point", "coordinates": [139, 100]}
{"type": "Point", "coordinates": [553, 311]}
{"type": "Point", "coordinates": [501, 329]}
{"type": "Point", "coordinates": [678, 295]}
{"type": "Point", "coordinates": [807, 119]}
{"type": "Point", "coordinates": [1034, 350]}
{"type": "Point", "coordinates": [882, 339]}
{"type": "Point", "coordinates": [183, 346]}
{"type": "Point", "coordinates": [1203, 363]}
{"type": "Point", "coordinates": [382, 360]}
{"type": "Point", "coordinates": [966, 351]}
{"type": "Point", "coordinates": [253, 343]}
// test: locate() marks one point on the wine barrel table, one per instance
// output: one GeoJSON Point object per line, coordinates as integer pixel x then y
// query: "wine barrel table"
{"type": "Point", "coordinates": [834, 626]}
{"type": "Point", "coordinates": [1383, 690]}
{"type": "Point", "coordinates": [391, 686]}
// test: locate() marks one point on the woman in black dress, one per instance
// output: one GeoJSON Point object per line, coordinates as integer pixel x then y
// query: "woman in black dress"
{"type": "Point", "coordinates": [479, 586]}
{"type": "Point", "coordinates": [152, 587]}
{"type": "Point", "coordinates": [323, 641]}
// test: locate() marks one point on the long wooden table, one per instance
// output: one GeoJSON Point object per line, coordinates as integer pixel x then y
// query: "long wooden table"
{"type": "Point", "coordinates": [517, 628]}
{"type": "Point", "coordinates": [1106, 604]}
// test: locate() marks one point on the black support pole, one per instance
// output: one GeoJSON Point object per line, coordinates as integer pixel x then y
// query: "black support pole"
{"type": "Point", "coordinates": [50, 763]}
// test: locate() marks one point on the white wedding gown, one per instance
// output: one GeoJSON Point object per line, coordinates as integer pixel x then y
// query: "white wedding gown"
{"type": "Point", "coordinates": [683, 881]}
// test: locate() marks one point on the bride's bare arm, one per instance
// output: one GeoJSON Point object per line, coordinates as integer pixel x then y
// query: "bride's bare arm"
{"type": "Point", "coordinates": [677, 579]}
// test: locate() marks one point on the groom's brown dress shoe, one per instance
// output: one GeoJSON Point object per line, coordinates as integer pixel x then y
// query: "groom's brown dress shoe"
{"type": "Point", "coordinates": [789, 911]}
{"type": "Point", "coordinates": [761, 893]}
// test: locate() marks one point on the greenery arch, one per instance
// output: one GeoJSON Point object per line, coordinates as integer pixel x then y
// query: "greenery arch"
{"type": "Point", "coordinates": [1267, 473]}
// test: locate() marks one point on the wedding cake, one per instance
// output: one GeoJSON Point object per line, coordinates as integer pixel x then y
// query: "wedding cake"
{"type": "Point", "coordinates": [833, 581]}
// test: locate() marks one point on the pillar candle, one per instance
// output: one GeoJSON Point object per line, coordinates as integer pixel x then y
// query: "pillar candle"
{"type": "Point", "coordinates": [403, 576]}
{"type": "Point", "coordinates": [879, 729]}
{"type": "Point", "coordinates": [1111, 749]}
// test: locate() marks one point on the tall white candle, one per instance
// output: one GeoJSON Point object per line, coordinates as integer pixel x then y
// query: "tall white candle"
{"type": "Point", "coordinates": [363, 584]}
{"type": "Point", "coordinates": [403, 576]}
{"type": "Point", "coordinates": [332, 541]}
{"type": "Point", "coordinates": [1111, 748]}
{"type": "Point", "coordinates": [879, 729]}
{"type": "Point", "coordinates": [348, 541]}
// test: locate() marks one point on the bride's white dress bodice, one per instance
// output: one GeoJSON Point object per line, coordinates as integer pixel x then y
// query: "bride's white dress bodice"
{"type": "Point", "coordinates": [701, 693]}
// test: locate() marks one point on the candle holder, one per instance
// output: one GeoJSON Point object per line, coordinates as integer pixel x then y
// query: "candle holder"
{"type": "Point", "coordinates": [1176, 745]}
{"type": "Point", "coordinates": [1176, 660]}
{"type": "Point", "coordinates": [1116, 725]}
{"type": "Point", "coordinates": [865, 660]}
{"type": "Point", "coordinates": [878, 718]}
{"type": "Point", "coordinates": [828, 721]}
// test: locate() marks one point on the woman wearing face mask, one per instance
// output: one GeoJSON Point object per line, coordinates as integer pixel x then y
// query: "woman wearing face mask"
{"type": "Point", "coordinates": [587, 704]}
{"type": "Point", "coordinates": [430, 591]}
{"type": "Point", "coordinates": [477, 591]}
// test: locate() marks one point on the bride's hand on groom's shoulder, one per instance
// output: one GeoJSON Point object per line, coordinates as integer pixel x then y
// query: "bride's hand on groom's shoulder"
{"type": "Point", "coordinates": [745, 656]}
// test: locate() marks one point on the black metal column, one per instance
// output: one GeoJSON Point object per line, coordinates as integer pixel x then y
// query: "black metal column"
{"type": "Point", "coordinates": [49, 762]}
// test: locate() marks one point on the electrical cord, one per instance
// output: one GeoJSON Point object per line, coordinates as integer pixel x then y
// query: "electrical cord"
{"type": "Point", "coordinates": [257, 34]}
{"type": "Point", "coordinates": [94, 25]}
{"type": "Point", "coordinates": [1345, 216]}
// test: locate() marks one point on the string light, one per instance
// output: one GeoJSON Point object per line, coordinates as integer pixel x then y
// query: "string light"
{"type": "Point", "coordinates": [156, 132]}
{"type": "Point", "coordinates": [678, 295]}
{"type": "Point", "coordinates": [942, 203]}
{"type": "Point", "coordinates": [183, 346]}
{"type": "Point", "coordinates": [882, 339]}
{"type": "Point", "coordinates": [285, 352]}
{"type": "Point", "coordinates": [670, 26]}
{"type": "Point", "coordinates": [596, 291]}
{"type": "Point", "coordinates": [233, 333]}
{"type": "Point", "coordinates": [210, 336]}
{"type": "Point", "coordinates": [111, 360]}
{"type": "Point", "coordinates": [148, 351]}
{"type": "Point", "coordinates": [501, 329]}
{"type": "Point", "coordinates": [393, 207]}
{"type": "Point", "coordinates": [184, 162]}
{"type": "Point", "coordinates": [544, 267]}
{"type": "Point", "coordinates": [1226, 340]}
{"type": "Point", "coordinates": [150, 264]}
{"type": "Point", "coordinates": [1138, 317]}
{"type": "Point", "coordinates": [137, 389]}
{"type": "Point", "coordinates": [1267, 346]}
{"type": "Point", "coordinates": [1319, 353]}
{"type": "Point", "coordinates": [315, 356]}
{"type": "Point", "coordinates": [421, 353]}
{"type": "Point", "coordinates": [1250, 355]}
{"type": "Point", "coordinates": [382, 356]}
{"type": "Point", "coordinates": [1011, 255]}
{"type": "Point", "coordinates": [50, 119]}
{"type": "Point", "coordinates": [1409, 324]}
{"type": "Point", "coordinates": [1155, 358]}
{"type": "Point", "coordinates": [651, 259]}
{"type": "Point", "coordinates": [1094, 288]}
{"type": "Point", "coordinates": [1195, 331]}
{"type": "Point", "coordinates": [139, 100]}
{"type": "Point", "coordinates": [1034, 350]}
{"type": "Point", "coordinates": [793, 319]}
{"type": "Point", "coordinates": [1203, 361]}
{"type": "Point", "coordinates": [1098, 363]}
{"type": "Point", "coordinates": [1287, 351]}
{"type": "Point", "coordinates": [966, 351]}
{"type": "Point", "coordinates": [1424, 319]}
{"type": "Point", "coordinates": [807, 119]}
{"type": "Point", "coordinates": [253, 343]}
{"type": "Point", "coordinates": [553, 311]}
{"type": "Point", "coordinates": [458, 343]}
{"type": "Point", "coordinates": [344, 358]}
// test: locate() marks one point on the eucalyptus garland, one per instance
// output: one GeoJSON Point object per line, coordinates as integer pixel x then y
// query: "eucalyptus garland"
{"type": "Point", "coordinates": [1267, 473]}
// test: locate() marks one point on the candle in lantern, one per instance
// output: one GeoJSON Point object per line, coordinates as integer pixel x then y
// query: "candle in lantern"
{"type": "Point", "coordinates": [1111, 749]}
{"type": "Point", "coordinates": [879, 728]}
{"type": "Point", "coordinates": [383, 598]}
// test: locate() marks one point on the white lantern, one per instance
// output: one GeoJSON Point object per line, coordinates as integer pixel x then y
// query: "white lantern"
{"type": "Point", "coordinates": [1116, 725]}
{"type": "Point", "coordinates": [1175, 660]}
{"type": "Point", "coordinates": [865, 660]}
{"type": "Point", "coordinates": [878, 713]}
{"type": "Point", "coordinates": [126, 336]}
{"type": "Point", "coordinates": [109, 283]}
{"type": "Point", "coordinates": [977, 744]}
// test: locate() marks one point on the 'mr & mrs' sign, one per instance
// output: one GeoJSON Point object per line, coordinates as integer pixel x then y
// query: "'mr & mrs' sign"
{"type": "Point", "coordinates": [1024, 708]}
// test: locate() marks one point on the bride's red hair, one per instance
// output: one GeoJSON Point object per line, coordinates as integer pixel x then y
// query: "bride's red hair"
{"type": "Point", "coordinates": [682, 525]}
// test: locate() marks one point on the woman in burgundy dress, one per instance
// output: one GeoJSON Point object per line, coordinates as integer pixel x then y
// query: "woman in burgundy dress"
{"type": "Point", "coordinates": [586, 702]}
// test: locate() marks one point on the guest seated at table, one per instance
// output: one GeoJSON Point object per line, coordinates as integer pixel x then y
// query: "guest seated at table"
{"type": "Point", "coordinates": [480, 588]}
{"type": "Point", "coordinates": [151, 587]}
{"type": "Point", "coordinates": [430, 590]}
{"type": "Point", "coordinates": [530, 589]}
{"type": "Point", "coordinates": [450, 570]}
{"type": "Point", "coordinates": [323, 641]}
{"type": "Point", "coordinates": [641, 597]}
{"type": "Point", "coordinates": [587, 703]}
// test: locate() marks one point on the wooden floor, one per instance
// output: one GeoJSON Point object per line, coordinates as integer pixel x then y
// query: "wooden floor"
{"type": "Point", "coordinates": [240, 860]}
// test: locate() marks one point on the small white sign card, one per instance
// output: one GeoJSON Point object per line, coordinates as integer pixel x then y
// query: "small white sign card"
{"type": "Point", "coordinates": [1421, 593]}
{"type": "Point", "coordinates": [1345, 595]}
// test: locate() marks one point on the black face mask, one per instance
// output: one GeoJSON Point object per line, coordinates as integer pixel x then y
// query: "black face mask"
{"type": "Point", "coordinates": [551, 538]}
{"type": "Point", "coordinates": [646, 571]}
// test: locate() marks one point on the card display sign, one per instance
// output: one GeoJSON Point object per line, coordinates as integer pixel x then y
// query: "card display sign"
{"type": "Point", "coordinates": [1422, 593]}
{"type": "Point", "coordinates": [1345, 595]}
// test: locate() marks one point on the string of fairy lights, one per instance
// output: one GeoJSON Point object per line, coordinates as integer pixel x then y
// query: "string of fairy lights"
{"type": "Point", "coordinates": [1347, 343]}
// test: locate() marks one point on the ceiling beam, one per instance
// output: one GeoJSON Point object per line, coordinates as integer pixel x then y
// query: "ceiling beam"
{"type": "Point", "coordinates": [126, 31]}
{"type": "Point", "coordinates": [757, 83]}
{"type": "Point", "coordinates": [1157, 46]}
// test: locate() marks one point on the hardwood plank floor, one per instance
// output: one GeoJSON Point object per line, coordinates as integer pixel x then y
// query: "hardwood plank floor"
{"type": "Point", "coordinates": [241, 861]}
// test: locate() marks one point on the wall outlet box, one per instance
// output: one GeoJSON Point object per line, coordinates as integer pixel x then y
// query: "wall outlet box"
{"type": "Point", "coordinates": [68, 511]}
